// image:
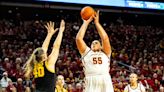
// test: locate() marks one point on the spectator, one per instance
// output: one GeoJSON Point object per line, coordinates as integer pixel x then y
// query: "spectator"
{"type": "Point", "coordinates": [5, 81]}
{"type": "Point", "coordinates": [10, 87]}
{"type": "Point", "coordinates": [19, 85]}
{"type": "Point", "coordinates": [60, 84]}
{"type": "Point", "coordinates": [79, 87]}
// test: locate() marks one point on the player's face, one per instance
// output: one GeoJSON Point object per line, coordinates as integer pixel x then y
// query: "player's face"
{"type": "Point", "coordinates": [60, 80]}
{"type": "Point", "coordinates": [43, 56]}
{"type": "Point", "coordinates": [96, 46]}
{"type": "Point", "coordinates": [133, 78]}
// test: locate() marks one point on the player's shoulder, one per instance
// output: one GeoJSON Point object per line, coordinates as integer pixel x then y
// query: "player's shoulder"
{"type": "Point", "coordinates": [126, 88]}
{"type": "Point", "coordinates": [87, 50]}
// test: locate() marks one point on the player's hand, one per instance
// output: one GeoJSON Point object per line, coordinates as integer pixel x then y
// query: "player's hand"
{"type": "Point", "coordinates": [96, 17]}
{"type": "Point", "coordinates": [89, 20]}
{"type": "Point", "coordinates": [50, 27]}
{"type": "Point", "coordinates": [62, 25]}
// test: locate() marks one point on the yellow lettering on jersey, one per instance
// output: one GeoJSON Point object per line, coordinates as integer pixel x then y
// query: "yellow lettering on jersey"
{"type": "Point", "coordinates": [38, 71]}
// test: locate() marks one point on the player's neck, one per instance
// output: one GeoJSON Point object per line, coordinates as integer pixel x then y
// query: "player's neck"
{"type": "Point", "coordinates": [133, 85]}
{"type": "Point", "coordinates": [60, 85]}
{"type": "Point", "coordinates": [96, 50]}
{"type": "Point", "coordinates": [44, 59]}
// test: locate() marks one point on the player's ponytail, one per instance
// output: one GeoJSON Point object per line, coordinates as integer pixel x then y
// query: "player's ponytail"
{"type": "Point", "coordinates": [29, 65]}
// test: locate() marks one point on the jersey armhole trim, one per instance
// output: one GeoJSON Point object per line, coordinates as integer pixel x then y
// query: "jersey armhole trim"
{"type": "Point", "coordinates": [86, 53]}
{"type": "Point", "coordinates": [50, 70]}
{"type": "Point", "coordinates": [109, 55]}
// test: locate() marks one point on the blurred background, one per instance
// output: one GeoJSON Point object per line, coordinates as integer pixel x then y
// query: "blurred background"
{"type": "Point", "coordinates": [135, 29]}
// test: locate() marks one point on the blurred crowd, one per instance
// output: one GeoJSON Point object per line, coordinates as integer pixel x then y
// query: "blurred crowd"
{"type": "Point", "coordinates": [136, 48]}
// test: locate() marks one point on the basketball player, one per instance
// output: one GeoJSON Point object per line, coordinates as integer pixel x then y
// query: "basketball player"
{"type": "Point", "coordinates": [60, 84]}
{"type": "Point", "coordinates": [134, 86]}
{"type": "Point", "coordinates": [96, 60]}
{"type": "Point", "coordinates": [42, 66]}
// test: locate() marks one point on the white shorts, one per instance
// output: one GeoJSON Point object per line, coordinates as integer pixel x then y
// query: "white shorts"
{"type": "Point", "coordinates": [98, 83]}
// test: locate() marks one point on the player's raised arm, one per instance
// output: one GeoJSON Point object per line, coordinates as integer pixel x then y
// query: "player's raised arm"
{"type": "Point", "coordinates": [56, 46]}
{"type": "Point", "coordinates": [50, 28]}
{"type": "Point", "coordinates": [81, 45]}
{"type": "Point", "coordinates": [106, 47]}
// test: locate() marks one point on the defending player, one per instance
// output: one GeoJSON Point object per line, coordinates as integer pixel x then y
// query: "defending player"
{"type": "Point", "coordinates": [43, 66]}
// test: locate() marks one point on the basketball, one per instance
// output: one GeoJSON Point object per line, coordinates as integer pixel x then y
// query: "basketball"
{"type": "Point", "coordinates": [87, 12]}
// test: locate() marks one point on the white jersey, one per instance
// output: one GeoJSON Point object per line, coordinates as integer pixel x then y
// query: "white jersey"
{"type": "Point", "coordinates": [140, 88]}
{"type": "Point", "coordinates": [96, 69]}
{"type": "Point", "coordinates": [95, 63]}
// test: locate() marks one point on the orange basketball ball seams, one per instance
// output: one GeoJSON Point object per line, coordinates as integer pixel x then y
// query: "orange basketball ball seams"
{"type": "Point", "coordinates": [87, 12]}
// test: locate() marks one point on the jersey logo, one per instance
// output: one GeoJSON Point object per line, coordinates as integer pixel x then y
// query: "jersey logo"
{"type": "Point", "coordinates": [97, 60]}
{"type": "Point", "coordinates": [38, 71]}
